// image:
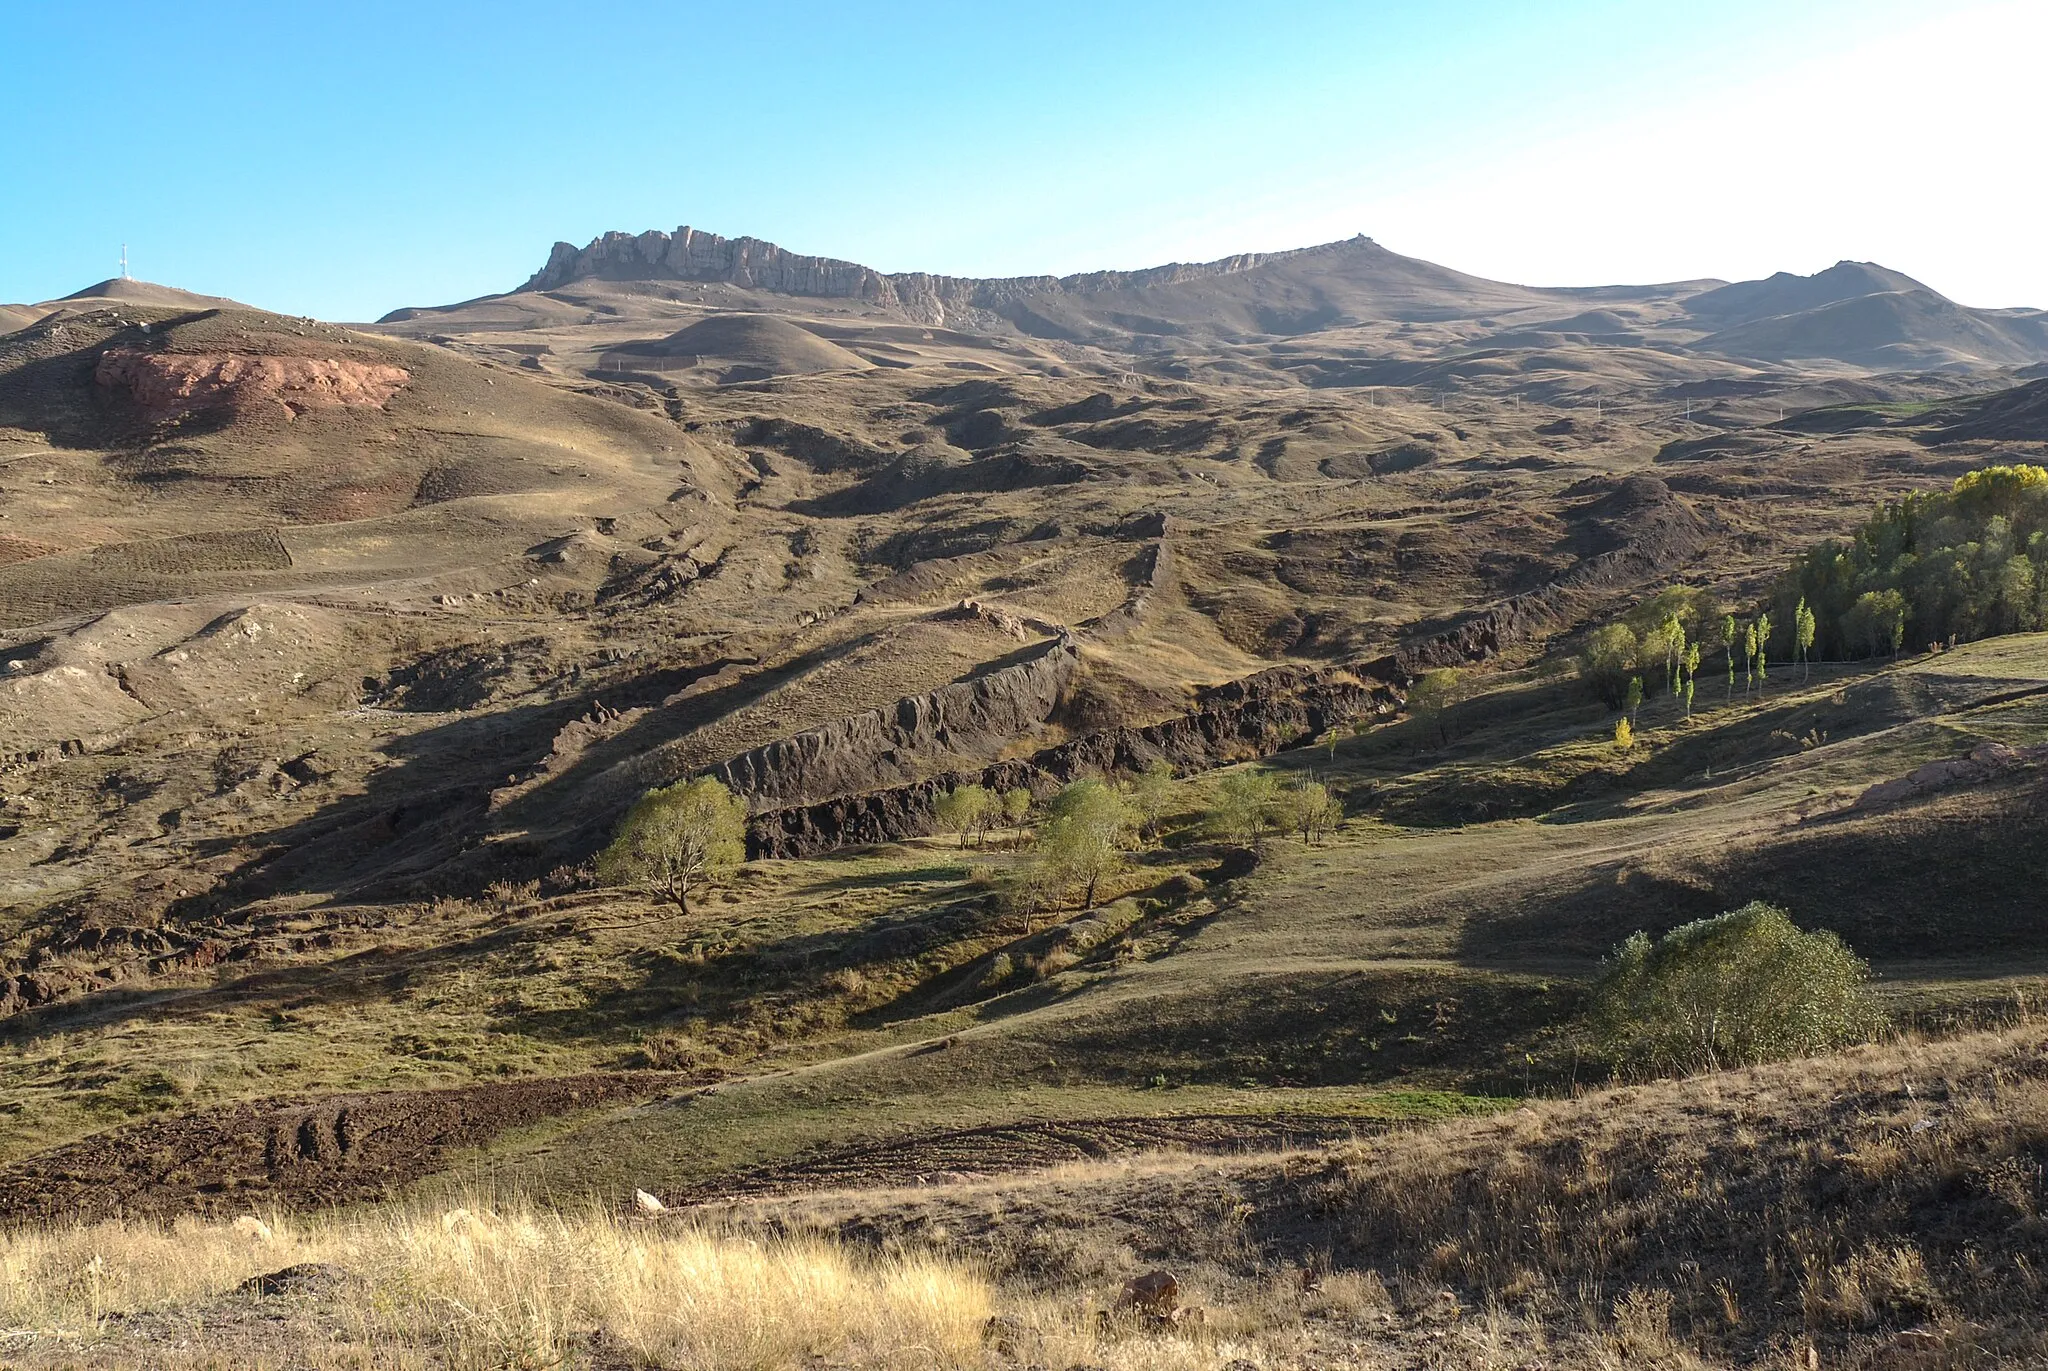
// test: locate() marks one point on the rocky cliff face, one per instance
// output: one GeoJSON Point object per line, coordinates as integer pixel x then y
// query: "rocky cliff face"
{"type": "Point", "coordinates": [911, 738]}
{"type": "Point", "coordinates": [1262, 714]}
{"type": "Point", "coordinates": [692, 255]}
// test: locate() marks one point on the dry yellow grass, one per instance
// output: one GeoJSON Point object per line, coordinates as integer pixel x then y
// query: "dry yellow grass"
{"type": "Point", "coordinates": [1879, 1208]}
{"type": "Point", "coordinates": [523, 1288]}
{"type": "Point", "coordinates": [518, 1288]}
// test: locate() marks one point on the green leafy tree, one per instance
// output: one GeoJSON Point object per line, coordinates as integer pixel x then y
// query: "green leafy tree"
{"type": "Point", "coordinates": [1429, 701]}
{"type": "Point", "coordinates": [678, 838]}
{"type": "Point", "coordinates": [1607, 662]}
{"type": "Point", "coordinates": [1095, 804]}
{"type": "Point", "coordinates": [1016, 806]}
{"type": "Point", "coordinates": [1151, 795]}
{"type": "Point", "coordinates": [1624, 734]}
{"type": "Point", "coordinates": [1692, 607]}
{"type": "Point", "coordinates": [1672, 635]}
{"type": "Point", "coordinates": [1875, 622]}
{"type": "Point", "coordinates": [1967, 561]}
{"type": "Point", "coordinates": [1743, 987]}
{"type": "Point", "coordinates": [1308, 808]}
{"type": "Point", "coordinates": [1085, 826]}
{"type": "Point", "coordinates": [1692, 674]}
{"type": "Point", "coordinates": [1729, 634]}
{"type": "Point", "coordinates": [1802, 636]}
{"type": "Point", "coordinates": [1749, 651]}
{"type": "Point", "coordinates": [1633, 700]}
{"type": "Point", "coordinates": [1243, 808]}
{"type": "Point", "coordinates": [964, 810]}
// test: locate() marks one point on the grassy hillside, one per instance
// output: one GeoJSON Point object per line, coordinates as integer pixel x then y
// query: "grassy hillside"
{"type": "Point", "coordinates": [1430, 957]}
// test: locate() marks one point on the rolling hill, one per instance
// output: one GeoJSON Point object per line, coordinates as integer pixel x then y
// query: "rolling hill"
{"type": "Point", "coordinates": [332, 657]}
{"type": "Point", "coordinates": [1897, 330]}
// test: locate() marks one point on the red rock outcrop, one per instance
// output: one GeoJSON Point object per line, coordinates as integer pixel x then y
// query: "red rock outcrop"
{"type": "Point", "coordinates": [167, 384]}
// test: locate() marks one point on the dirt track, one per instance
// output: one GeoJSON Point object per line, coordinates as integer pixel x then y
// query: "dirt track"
{"type": "Point", "coordinates": [939, 1158]}
{"type": "Point", "coordinates": [293, 1152]}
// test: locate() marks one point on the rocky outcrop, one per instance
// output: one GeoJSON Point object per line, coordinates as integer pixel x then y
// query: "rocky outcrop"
{"type": "Point", "coordinates": [1650, 532]}
{"type": "Point", "coordinates": [570, 742]}
{"type": "Point", "coordinates": [1254, 717]}
{"type": "Point", "coordinates": [910, 738]}
{"type": "Point", "coordinates": [691, 255]}
{"type": "Point", "coordinates": [1986, 762]}
{"type": "Point", "coordinates": [167, 384]}
{"type": "Point", "coordinates": [124, 955]}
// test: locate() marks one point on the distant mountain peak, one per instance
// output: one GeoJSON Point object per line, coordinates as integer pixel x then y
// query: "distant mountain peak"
{"type": "Point", "coordinates": [690, 254]}
{"type": "Point", "coordinates": [1786, 292]}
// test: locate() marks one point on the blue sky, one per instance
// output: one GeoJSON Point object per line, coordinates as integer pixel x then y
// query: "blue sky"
{"type": "Point", "coordinates": [343, 160]}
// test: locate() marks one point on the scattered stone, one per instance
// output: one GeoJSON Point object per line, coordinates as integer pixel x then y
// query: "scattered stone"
{"type": "Point", "coordinates": [1987, 761]}
{"type": "Point", "coordinates": [307, 1278]}
{"type": "Point", "coordinates": [648, 1203]}
{"type": "Point", "coordinates": [1156, 1294]}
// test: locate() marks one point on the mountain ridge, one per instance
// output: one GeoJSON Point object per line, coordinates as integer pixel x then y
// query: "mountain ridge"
{"type": "Point", "coordinates": [1859, 314]}
{"type": "Point", "coordinates": [936, 299]}
{"type": "Point", "coordinates": [695, 254]}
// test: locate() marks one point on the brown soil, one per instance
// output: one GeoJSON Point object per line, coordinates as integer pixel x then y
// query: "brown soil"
{"type": "Point", "coordinates": [292, 1152]}
{"type": "Point", "coordinates": [944, 1158]}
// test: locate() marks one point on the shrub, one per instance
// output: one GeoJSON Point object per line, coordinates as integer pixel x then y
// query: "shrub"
{"type": "Point", "coordinates": [665, 1051]}
{"type": "Point", "coordinates": [1743, 987]}
{"type": "Point", "coordinates": [1308, 808]}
